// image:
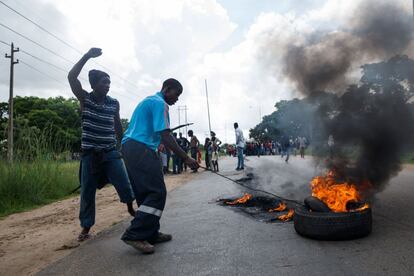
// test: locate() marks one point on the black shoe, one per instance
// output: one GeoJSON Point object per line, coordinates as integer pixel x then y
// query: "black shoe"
{"type": "Point", "coordinates": [163, 238]}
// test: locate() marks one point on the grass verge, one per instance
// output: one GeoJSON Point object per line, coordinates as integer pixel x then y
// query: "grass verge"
{"type": "Point", "coordinates": [25, 185]}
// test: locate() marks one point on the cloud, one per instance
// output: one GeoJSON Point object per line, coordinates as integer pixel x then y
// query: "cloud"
{"type": "Point", "coordinates": [145, 42]}
{"type": "Point", "coordinates": [28, 81]}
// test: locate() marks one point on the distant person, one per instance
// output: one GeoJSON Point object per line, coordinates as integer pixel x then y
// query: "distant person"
{"type": "Point", "coordinates": [185, 146]}
{"type": "Point", "coordinates": [240, 143]}
{"type": "Point", "coordinates": [175, 158]}
{"type": "Point", "coordinates": [194, 144]}
{"type": "Point", "coordinates": [302, 146]}
{"type": "Point", "coordinates": [208, 149]}
{"type": "Point", "coordinates": [216, 149]}
{"type": "Point", "coordinates": [162, 151]}
{"type": "Point", "coordinates": [286, 148]}
{"type": "Point", "coordinates": [150, 125]}
{"type": "Point", "coordinates": [101, 133]}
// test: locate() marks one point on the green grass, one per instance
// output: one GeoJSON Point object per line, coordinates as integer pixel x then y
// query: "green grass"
{"type": "Point", "coordinates": [408, 158]}
{"type": "Point", "coordinates": [28, 184]}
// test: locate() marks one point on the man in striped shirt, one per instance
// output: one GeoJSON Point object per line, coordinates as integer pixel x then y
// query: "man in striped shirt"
{"type": "Point", "coordinates": [101, 162]}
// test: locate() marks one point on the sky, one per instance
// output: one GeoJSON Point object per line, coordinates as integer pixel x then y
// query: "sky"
{"type": "Point", "coordinates": [236, 45]}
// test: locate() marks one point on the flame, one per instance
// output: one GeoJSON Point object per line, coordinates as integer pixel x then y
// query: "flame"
{"type": "Point", "coordinates": [288, 216]}
{"type": "Point", "coordinates": [240, 200]}
{"type": "Point", "coordinates": [281, 207]}
{"type": "Point", "coordinates": [360, 209]}
{"type": "Point", "coordinates": [335, 195]}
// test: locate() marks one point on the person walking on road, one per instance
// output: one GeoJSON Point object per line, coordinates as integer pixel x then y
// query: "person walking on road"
{"type": "Point", "coordinates": [175, 158]}
{"type": "Point", "coordinates": [208, 151]}
{"type": "Point", "coordinates": [101, 161]}
{"type": "Point", "coordinates": [150, 124]}
{"type": "Point", "coordinates": [215, 154]}
{"type": "Point", "coordinates": [286, 148]}
{"type": "Point", "coordinates": [194, 144]}
{"type": "Point", "coordinates": [184, 144]}
{"type": "Point", "coordinates": [302, 146]}
{"type": "Point", "coordinates": [240, 147]}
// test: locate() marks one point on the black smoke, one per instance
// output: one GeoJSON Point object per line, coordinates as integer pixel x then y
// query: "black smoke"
{"type": "Point", "coordinates": [378, 30]}
{"type": "Point", "coordinates": [372, 122]}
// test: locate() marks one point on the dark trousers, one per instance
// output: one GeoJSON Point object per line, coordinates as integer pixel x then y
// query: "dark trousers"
{"type": "Point", "coordinates": [112, 169]}
{"type": "Point", "coordinates": [194, 155]}
{"type": "Point", "coordinates": [207, 160]}
{"type": "Point", "coordinates": [183, 165]}
{"type": "Point", "coordinates": [147, 179]}
{"type": "Point", "coordinates": [176, 164]}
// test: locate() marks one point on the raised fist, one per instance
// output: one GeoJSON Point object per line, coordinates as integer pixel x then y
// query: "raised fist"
{"type": "Point", "coordinates": [94, 52]}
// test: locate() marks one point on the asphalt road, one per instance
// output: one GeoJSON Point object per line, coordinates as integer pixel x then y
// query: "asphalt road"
{"type": "Point", "coordinates": [213, 240]}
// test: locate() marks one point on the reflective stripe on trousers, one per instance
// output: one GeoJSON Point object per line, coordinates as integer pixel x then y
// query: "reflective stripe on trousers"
{"type": "Point", "coordinates": [150, 210]}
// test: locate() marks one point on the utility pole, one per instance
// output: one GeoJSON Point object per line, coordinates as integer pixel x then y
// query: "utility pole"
{"type": "Point", "coordinates": [10, 111]}
{"type": "Point", "coordinates": [183, 108]}
{"type": "Point", "coordinates": [186, 122]}
{"type": "Point", "coordinates": [208, 109]}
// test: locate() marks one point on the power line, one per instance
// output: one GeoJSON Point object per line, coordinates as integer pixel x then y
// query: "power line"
{"type": "Point", "coordinates": [57, 67]}
{"type": "Point", "coordinates": [36, 43]}
{"type": "Point", "coordinates": [40, 59]}
{"type": "Point", "coordinates": [43, 47]}
{"type": "Point", "coordinates": [65, 84]}
{"type": "Point", "coordinates": [1, 41]}
{"type": "Point", "coordinates": [40, 27]}
{"type": "Point", "coordinates": [44, 61]}
{"type": "Point", "coordinates": [62, 41]}
{"type": "Point", "coordinates": [43, 73]}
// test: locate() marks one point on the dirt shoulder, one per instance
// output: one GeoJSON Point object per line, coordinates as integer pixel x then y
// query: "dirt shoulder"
{"type": "Point", "coordinates": [32, 240]}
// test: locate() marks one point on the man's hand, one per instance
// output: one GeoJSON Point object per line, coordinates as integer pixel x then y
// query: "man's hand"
{"type": "Point", "coordinates": [94, 52]}
{"type": "Point", "coordinates": [191, 163]}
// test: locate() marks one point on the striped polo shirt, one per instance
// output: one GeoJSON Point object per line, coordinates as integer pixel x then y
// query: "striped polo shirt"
{"type": "Point", "coordinates": [98, 128]}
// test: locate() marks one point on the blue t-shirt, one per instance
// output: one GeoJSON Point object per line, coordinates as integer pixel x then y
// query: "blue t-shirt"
{"type": "Point", "coordinates": [150, 117]}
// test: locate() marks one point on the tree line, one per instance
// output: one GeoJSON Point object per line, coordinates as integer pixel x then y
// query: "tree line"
{"type": "Point", "coordinates": [43, 125]}
{"type": "Point", "coordinates": [310, 117]}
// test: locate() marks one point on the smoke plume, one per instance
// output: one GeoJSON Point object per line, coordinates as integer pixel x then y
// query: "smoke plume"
{"type": "Point", "coordinates": [372, 123]}
{"type": "Point", "coordinates": [378, 30]}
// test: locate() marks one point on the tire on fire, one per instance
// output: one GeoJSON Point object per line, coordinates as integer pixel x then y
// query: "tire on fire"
{"type": "Point", "coordinates": [332, 226]}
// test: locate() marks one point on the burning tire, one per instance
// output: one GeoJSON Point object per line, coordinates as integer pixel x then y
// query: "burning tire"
{"type": "Point", "coordinates": [332, 226]}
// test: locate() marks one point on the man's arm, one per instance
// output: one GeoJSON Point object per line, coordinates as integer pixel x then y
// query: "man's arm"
{"type": "Point", "coordinates": [218, 142]}
{"type": "Point", "coordinates": [73, 75]}
{"type": "Point", "coordinates": [169, 141]}
{"type": "Point", "coordinates": [118, 125]}
{"type": "Point", "coordinates": [197, 142]}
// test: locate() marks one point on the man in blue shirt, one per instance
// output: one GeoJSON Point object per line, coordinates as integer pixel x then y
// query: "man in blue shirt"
{"type": "Point", "coordinates": [150, 124]}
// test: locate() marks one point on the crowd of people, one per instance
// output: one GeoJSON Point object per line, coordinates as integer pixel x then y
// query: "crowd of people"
{"type": "Point", "coordinates": [211, 153]}
{"type": "Point", "coordinates": [283, 147]}
{"type": "Point", "coordinates": [178, 164]}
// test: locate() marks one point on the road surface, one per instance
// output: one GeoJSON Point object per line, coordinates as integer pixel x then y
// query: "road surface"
{"type": "Point", "coordinates": [213, 240]}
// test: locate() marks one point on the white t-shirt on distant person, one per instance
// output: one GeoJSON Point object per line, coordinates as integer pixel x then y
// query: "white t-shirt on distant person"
{"type": "Point", "coordinates": [239, 138]}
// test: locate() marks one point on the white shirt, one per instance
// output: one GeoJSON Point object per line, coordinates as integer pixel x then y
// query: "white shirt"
{"type": "Point", "coordinates": [239, 138]}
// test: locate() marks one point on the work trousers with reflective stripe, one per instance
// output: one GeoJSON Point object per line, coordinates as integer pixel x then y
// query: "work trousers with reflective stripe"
{"type": "Point", "coordinates": [147, 180]}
